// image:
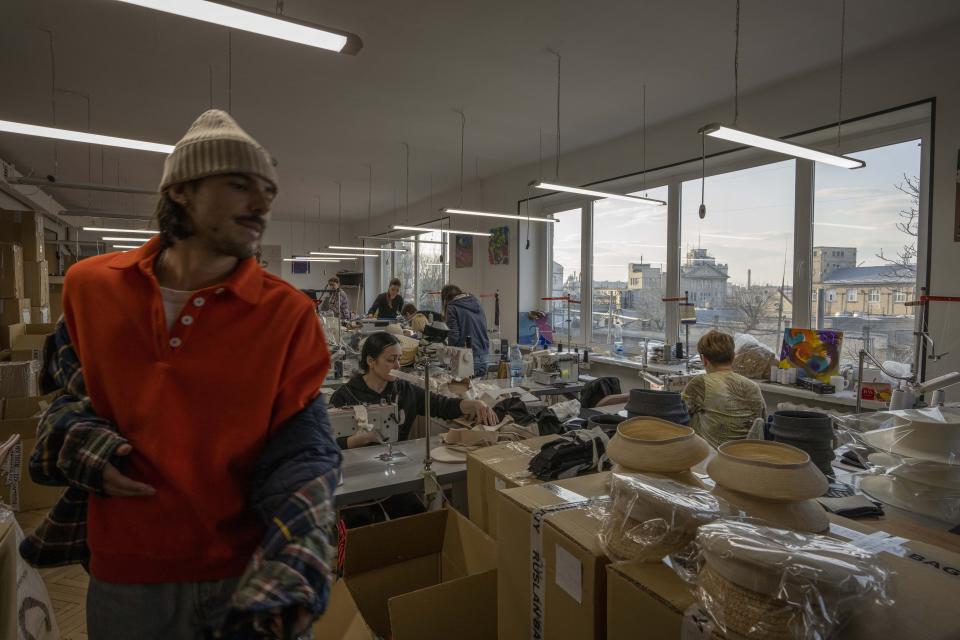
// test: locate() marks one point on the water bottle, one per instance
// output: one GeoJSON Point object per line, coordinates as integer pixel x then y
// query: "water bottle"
{"type": "Point", "coordinates": [618, 339]}
{"type": "Point", "coordinates": [516, 363]}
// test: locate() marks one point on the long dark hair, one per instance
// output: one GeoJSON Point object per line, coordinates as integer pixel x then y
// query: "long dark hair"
{"type": "Point", "coordinates": [449, 292]}
{"type": "Point", "coordinates": [375, 345]}
{"type": "Point", "coordinates": [172, 219]}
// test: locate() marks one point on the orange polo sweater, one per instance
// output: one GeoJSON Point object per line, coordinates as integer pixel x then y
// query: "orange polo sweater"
{"type": "Point", "coordinates": [197, 402]}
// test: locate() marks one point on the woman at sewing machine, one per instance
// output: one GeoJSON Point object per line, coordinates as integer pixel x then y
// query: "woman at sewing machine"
{"type": "Point", "coordinates": [722, 404]}
{"type": "Point", "coordinates": [379, 356]}
{"type": "Point", "coordinates": [386, 306]}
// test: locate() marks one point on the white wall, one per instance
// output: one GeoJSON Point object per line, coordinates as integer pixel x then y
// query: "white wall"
{"type": "Point", "coordinates": [913, 70]}
{"type": "Point", "coordinates": [295, 237]}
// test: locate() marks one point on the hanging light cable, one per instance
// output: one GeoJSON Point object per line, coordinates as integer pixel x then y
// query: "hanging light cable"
{"type": "Point", "coordinates": [732, 134]}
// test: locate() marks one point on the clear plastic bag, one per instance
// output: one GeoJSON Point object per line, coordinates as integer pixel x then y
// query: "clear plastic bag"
{"type": "Point", "coordinates": [759, 582]}
{"type": "Point", "coordinates": [650, 516]}
{"type": "Point", "coordinates": [30, 614]}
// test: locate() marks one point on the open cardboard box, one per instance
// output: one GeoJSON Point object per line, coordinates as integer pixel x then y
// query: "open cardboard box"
{"type": "Point", "coordinates": [502, 466]}
{"type": "Point", "coordinates": [21, 416]}
{"type": "Point", "coordinates": [925, 586]}
{"type": "Point", "coordinates": [431, 575]}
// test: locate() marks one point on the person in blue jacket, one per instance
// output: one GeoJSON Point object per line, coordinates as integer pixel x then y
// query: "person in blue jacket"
{"type": "Point", "coordinates": [466, 321]}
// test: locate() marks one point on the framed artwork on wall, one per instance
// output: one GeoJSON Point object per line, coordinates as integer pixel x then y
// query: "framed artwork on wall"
{"type": "Point", "coordinates": [464, 252]}
{"type": "Point", "coordinates": [498, 249]}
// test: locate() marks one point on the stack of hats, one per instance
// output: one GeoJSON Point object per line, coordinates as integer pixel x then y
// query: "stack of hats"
{"type": "Point", "coordinates": [758, 582]}
{"type": "Point", "coordinates": [652, 445]}
{"type": "Point", "coordinates": [771, 481]}
{"type": "Point", "coordinates": [667, 405]}
{"type": "Point", "coordinates": [651, 517]}
{"type": "Point", "coordinates": [807, 430]}
{"type": "Point", "coordinates": [918, 468]}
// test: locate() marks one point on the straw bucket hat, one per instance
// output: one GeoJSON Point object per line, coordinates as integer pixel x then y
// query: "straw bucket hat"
{"type": "Point", "coordinates": [932, 434]}
{"type": "Point", "coordinates": [934, 502]}
{"type": "Point", "coordinates": [655, 445]}
{"type": "Point", "coordinates": [767, 470]}
{"type": "Point", "coordinates": [652, 516]}
{"type": "Point", "coordinates": [768, 583]}
{"type": "Point", "coordinates": [802, 515]}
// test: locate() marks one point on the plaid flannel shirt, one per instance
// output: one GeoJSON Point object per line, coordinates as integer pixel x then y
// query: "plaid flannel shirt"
{"type": "Point", "coordinates": [293, 566]}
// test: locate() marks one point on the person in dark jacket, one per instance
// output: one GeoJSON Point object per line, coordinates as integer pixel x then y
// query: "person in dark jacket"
{"type": "Point", "coordinates": [387, 305]}
{"type": "Point", "coordinates": [466, 320]}
{"type": "Point", "coordinates": [379, 356]}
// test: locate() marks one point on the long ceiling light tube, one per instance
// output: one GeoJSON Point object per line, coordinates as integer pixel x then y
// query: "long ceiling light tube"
{"type": "Point", "coordinates": [233, 16]}
{"type": "Point", "coordinates": [53, 183]}
{"type": "Point", "coordinates": [119, 239]}
{"type": "Point", "coordinates": [335, 246]}
{"type": "Point", "coordinates": [716, 130]}
{"type": "Point", "coordinates": [125, 246]}
{"type": "Point", "coordinates": [112, 230]}
{"type": "Point", "coordinates": [344, 255]}
{"type": "Point", "coordinates": [550, 186]}
{"type": "Point", "coordinates": [401, 227]}
{"type": "Point", "coordinates": [311, 260]}
{"type": "Point", "coordinates": [81, 136]}
{"type": "Point", "coordinates": [485, 214]}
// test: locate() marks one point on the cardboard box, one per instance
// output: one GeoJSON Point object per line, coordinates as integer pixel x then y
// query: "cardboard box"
{"type": "Point", "coordinates": [30, 340]}
{"type": "Point", "coordinates": [925, 586]}
{"type": "Point", "coordinates": [558, 591]}
{"type": "Point", "coordinates": [878, 391]}
{"type": "Point", "coordinates": [23, 408]}
{"type": "Point", "coordinates": [426, 576]}
{"type": "Point", "coordinates": [56, 302]}
{"type": "Point", "coordinates": [36, 282]}
{"type": "Point", "coordinates": [26, 229]}
{"type": "Point", "coordinates": [14, 311]}
{"type": "Point", "coordinates": [19, 379]}
{"type": "Point", "coordinates": [502, 466]}
{"type": "Point", "coordinates": [25, 495]}
{"type": "Point", "coordinates": [40, 315]}
{"type": "Point", "coordinates": [11, 271]}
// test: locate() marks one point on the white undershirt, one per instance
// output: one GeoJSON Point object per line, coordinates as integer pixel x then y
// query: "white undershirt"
{"type": "Point", "coordinates": [173, 301]}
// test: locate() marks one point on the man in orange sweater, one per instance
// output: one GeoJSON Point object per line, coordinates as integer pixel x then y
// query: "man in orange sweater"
{"type": "Point", "coordinates": [197, 356]}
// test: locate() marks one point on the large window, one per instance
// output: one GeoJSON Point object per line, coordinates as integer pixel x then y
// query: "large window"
{"type": "Point", "coordinates": [736, 264]}
{"type": "Point", "coordinates": [565, 275]}
{"type": "Point", "coordinates": [866, 225]}
{"type": "Point", "coordinates": [629, 269]}
{"type": "Point", "coordinates": [431, 270]}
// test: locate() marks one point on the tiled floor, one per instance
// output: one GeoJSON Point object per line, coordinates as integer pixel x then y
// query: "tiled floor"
{"type": "Point", "coordinates": [67, 587]}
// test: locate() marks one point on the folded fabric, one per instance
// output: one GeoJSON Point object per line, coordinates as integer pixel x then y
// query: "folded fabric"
{"type": "Point", "coordinates": [570, 455]}
{"type": "Point", "coordinates": [857, 506]}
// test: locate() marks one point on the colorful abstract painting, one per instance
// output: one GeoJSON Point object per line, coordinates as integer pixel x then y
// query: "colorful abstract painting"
{"type": "Point", "coordinates": [816, 352]}
{"type": "Point", "coordinates": [498, 249]}
{"type": "Point", "coordinates": [464, 252]}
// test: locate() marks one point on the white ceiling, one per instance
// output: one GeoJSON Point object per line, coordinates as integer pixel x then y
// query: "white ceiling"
{"type": "Point", "coordinates": [325, 116]}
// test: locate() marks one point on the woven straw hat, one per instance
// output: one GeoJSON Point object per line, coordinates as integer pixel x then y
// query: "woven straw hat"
{"type": "Point", "coordinates": [767, 470]}
{"type": "Point", "coordinates": [802, 515]}
{"type": "Point", "coordinates": [932, 434]}
{"type": "Point", "coordinates": [652, 516]}
{"type": "Point", "coordinates": [746, 612]}
{"type": "Point", "coordinates": [655, 445]}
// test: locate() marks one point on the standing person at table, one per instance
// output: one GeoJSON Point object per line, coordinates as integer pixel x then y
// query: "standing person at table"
{"type": "Point", "coordinates": [387, 305]}
{"type": "Point", "coordinates": [373, 384]}
{"type": "Point", "coordinates": [466, 321]}
{"type": "Point", "coordinates": [197, 454]}
{"type": "Point", "coordinates": [722, 404]}
{"type": "Point", "coordinates": [335, 300]}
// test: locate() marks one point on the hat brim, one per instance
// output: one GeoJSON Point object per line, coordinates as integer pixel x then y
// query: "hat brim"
{"type": "Point", "coordinates": [802, 515]}
{"type": "Point", "coordinates": [939, 504]}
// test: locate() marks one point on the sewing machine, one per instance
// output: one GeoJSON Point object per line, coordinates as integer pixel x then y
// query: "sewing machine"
{"type": "Point", "coordinates": [458, 361]}
{"type": "Point", "coordinates": [383, 419]}
{"type": "Point", "coordinates": [557, 368]}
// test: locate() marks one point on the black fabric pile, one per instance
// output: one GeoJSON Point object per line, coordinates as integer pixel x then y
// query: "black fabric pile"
{"type": "Point", "coordinates": [546, 420]}
{"type": "Point", "coordinates": [570, 455]}
{"type": "Point", "coordinates": [597, 390]}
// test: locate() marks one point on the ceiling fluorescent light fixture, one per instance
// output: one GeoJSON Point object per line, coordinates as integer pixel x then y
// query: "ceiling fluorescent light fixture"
{"type": "Point", "coordinates": [344, 255]}
{"type": "Point", "coordinates": [334, 246]}
{"type": "Point", "coordinates": [125, 246]}
{"type": "Point", "coordinates": [232, 16]}
{"type": "Point", "coordinates": [302, 259]}
{"type": "Point", "coordinates": [81, 136]}
{"type": "Point", "coordinates": [108, 229]}
{"type": "Point", "coordinates": [118, 239]}
{"type": "Point", "coordinates": [400, 227]}
{"type": "Point", "coordinates": [549, 186]}
{"type": "Point", "coordinates": [485, 214]}
{"type": "Point", "coordinates": [716, 130]}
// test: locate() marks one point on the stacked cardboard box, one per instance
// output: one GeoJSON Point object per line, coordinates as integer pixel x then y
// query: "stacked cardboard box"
{"type": "Point", "coordinates": [36, 283]}
{"type": "Point", "coordinates": [558, 590]}
{"type": "Point", "coordinates": [22, 416]}
{"type": "Point", "coordinates": [502, 466]}
{"type": "Point", "coordinates": [27, 341]}
{"type": "Point", "coordinates": [26, 229]}
{"type": "Point", "coordinates": [426, 576]}
{"type": "Point", "coordinates": [18, 379]}
{"type": "Point", "coordinates": [924, 584]}
{"type": "Point", "coordinates": [11, 271]}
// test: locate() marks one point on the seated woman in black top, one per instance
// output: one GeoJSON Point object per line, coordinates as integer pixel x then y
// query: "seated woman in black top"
{"type": "Point", "coordinates": [387, 305]}
{"type": "Point", "coordinates": [379, 356]}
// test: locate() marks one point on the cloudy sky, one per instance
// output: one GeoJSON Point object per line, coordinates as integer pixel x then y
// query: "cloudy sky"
{"type": "Point", "coordinates": [749, 223]}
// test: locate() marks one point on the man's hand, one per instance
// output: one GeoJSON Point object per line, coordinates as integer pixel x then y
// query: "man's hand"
{"type": "Point", "coordinates": [300, 620]}
{"type": "Point", "coordinates": [119, 485]}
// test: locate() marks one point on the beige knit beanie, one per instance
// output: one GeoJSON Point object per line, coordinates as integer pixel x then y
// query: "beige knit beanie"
{"type": "Point", "coordinates": [213, 145]}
